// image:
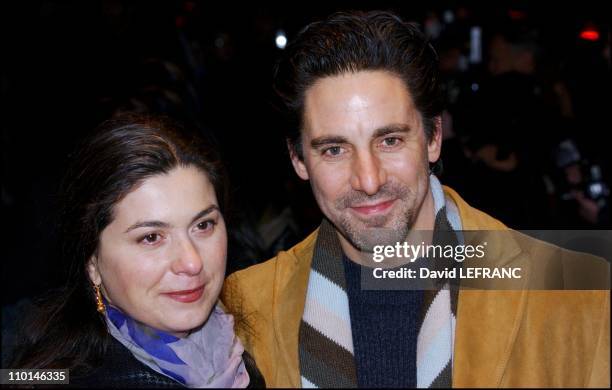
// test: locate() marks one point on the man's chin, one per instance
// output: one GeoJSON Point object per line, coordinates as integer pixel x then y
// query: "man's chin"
{"type": "Point", "coordinates": [374, 222]}
{"type": "Point", "coordinates": [370, 237]}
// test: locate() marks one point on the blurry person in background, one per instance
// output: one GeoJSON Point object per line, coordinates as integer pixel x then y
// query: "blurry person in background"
{"type": "Point", "coordinates": [582, 198]}
{"type": "Point", "coordinates": [532, 100]}
{"type": "Point", "coordinates": [144, 247]}
{"type": "Point", "coordinates": [517, 124]}
{"type": "Point", "coordinates": [583, 161]}
{"type": "Point", "coordinates": [518, 116]}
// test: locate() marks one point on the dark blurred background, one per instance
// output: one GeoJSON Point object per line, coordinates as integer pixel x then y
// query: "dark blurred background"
{"type": "Point", "coordinates": [527, 86]}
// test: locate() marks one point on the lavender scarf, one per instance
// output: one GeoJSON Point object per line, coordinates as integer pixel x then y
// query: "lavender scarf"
{"type": "Point", "coordinates": [208, 357]}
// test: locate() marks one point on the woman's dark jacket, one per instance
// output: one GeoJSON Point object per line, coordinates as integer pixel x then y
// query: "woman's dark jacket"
{"type": "Point", "coordinates": [121, 369]}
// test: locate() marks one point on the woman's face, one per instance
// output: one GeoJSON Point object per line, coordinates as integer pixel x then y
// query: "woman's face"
{"type": "Point", "coordinates": [162, 258]}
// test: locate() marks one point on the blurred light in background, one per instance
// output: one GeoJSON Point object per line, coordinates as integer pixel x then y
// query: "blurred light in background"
{"type": "Point", "coordinates": [281, 39]}
{"type": "Point", "coordinates": [219, 42]}
{"type": "Point", "coordinates": [448, 16]}
{"type": "Point", "coordinates": [475, 45]}
{"type": "Point", "coordinates": [589, 34]}
{"type": "Point", "coordinates": [517, 15]}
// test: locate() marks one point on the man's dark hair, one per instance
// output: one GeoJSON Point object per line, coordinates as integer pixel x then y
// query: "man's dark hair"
{"type": "Point", "coordinates": [349, 42]}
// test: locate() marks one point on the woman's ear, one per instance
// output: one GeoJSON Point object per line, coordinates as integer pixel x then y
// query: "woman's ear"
{"type": "Point", "coordinates": [92, 270]}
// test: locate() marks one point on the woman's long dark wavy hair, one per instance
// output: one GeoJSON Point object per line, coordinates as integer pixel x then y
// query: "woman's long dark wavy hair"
{"type": "Point", "coordinates": [66, 331]}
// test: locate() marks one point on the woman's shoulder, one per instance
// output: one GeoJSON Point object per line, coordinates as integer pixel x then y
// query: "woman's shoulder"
{"type": "Point", "coordinates": [119, 368]}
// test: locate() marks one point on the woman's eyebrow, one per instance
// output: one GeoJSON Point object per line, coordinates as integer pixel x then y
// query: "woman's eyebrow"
{"type": "Point", "coordinates": [204, 212]}
{"type": "Point", "coordinates": [140, 224]}
{"type": "Point", "coordinates": [161, 224]}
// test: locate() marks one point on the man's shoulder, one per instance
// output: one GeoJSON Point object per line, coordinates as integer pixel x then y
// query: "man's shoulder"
{"type": "Point", "coordinates": [550, 266]}
{"type": "Point", "coordinates": [557, 267]}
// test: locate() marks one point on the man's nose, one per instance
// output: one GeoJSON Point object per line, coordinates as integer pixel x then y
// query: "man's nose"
{"type": "Point", "coordinates": [368, 173]}
{"type": "Point", "coordinates": [188, 260]}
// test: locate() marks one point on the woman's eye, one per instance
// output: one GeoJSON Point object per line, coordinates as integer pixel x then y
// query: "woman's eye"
{"type": "Point", "coordinates": [151, 238]}
{"type": "Point", "coordinates": [205, 225]}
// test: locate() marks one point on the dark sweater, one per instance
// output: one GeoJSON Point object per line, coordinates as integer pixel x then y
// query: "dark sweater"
{"type": "Point", "coordinates": [385, 327]}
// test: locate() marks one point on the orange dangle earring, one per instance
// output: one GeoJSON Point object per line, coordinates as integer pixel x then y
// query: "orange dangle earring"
{"type": "Point", "coordinates": [99, 303]}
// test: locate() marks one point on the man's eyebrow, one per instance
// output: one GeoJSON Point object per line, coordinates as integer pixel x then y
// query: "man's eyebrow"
{"type": "Point", "coordinates": [397, 128]}
{"type": "Point", "coordinates": [326, 140]}
{"type": "Point", "coordinates": [160, 224]}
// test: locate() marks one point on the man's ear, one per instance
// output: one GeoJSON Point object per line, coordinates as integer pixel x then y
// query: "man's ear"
{"type": "Point", "coordinates": [298, 164]}
{"type": "Point", "coordinates": [92, 270]}
{"type": "Point", "coordinates": [434, 146]}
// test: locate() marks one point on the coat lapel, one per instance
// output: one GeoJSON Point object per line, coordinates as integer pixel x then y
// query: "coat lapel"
{"type": "Point", "coordinates": [290, 285]}
{"type": "Point", "coordinates": [488, 320]}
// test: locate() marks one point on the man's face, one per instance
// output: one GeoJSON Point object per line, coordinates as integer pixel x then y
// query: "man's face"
{"type": "Point", "coordinates": [367, 158]}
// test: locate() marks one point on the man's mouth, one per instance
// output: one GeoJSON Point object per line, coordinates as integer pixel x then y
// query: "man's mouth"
{"type": "Point", "coordinates": [374, 209]}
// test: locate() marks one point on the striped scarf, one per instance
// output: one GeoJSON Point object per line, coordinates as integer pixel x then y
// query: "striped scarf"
{"type": "Point", "coordinates": [325, 339]}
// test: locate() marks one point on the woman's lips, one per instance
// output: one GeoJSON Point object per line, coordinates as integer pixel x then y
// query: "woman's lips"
{"type": "Point", "coordinates": [186, 296]}
{"type": "Point", "coordinates": [375, 208]}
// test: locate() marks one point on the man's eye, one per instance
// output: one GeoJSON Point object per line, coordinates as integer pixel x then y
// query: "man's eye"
{"type": "Point", "coordinates": [333, 151]}
{"type": "Point", "coordinates": [391, 141]}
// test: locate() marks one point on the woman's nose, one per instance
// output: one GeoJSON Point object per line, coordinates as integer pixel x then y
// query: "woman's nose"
{"type": "Point", "coordinates": [188, 259]}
